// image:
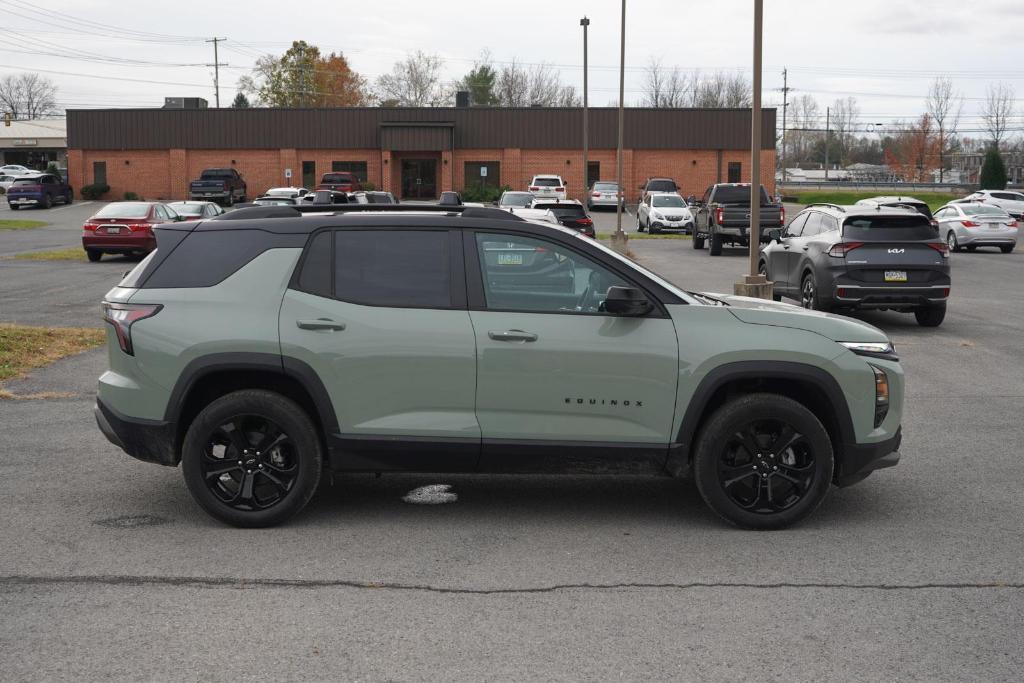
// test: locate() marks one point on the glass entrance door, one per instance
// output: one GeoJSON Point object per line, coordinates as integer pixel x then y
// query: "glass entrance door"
{"type": "Point", "coordinates": [419, 178]}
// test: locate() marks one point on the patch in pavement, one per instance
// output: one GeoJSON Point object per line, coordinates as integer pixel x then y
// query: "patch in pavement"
{"type": "Point", "coordinates": [131, 521]}
{"type": "Point", "coordinates": [434, 494]}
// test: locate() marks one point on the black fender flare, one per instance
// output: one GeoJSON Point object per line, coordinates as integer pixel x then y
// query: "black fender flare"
{"type": "Point", "coordinates": [680, 451]}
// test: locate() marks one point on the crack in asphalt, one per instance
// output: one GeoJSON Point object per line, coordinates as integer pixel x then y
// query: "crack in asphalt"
{"type": "Point", "coordinates": [237, 583]}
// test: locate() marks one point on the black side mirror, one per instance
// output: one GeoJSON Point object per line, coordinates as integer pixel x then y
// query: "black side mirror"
{"type": "Point", "coordinates": [626, 301]}
{"type": "Point", "coordinates": [775, 234]}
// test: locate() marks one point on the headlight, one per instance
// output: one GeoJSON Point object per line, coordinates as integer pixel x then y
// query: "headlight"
{"type": "Point", "coordinates": [655, 214]}
{"type": "Point", "coordinates": [883, 350]}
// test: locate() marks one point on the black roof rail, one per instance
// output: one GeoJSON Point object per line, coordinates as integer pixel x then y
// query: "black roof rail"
{"type": "Point", "coordinates": [837, 207]}
{"type": "Point", "coordinates": [286, 211]}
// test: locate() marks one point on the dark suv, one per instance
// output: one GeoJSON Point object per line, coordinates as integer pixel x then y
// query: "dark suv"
{"type": "Point", "coordinates": [885, 258]}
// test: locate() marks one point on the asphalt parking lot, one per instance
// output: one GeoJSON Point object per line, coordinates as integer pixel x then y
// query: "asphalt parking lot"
{"type": "Point", "coordinates": [109, 570]}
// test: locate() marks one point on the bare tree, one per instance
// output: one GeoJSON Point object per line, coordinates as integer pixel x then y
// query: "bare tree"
{"type": "Point", "coordinates": [545, 85]}
{"type": "Point", "coordinates": [805, 117]}
{"type": "Point", "coordinates": [997, 109]}
{"type": "Point", "coordinates": [415, 82]}
{"type": "Point", "coordinates": [541, 85]}
{"type": "Point", "coordinates": [28, 96]}
{"type": "Point", "coordinates": [512, 88]}
{"type": "Point", "coordinates": [845, 114]}
{"type": "Point", "coordinates": [721, 90]}
{"type": "Point", "coordinates": [664, 87]}
{"type": "Point", "coordinates": [944, 105]}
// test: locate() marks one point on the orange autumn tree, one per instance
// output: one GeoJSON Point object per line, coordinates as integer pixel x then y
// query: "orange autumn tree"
{"type": "Point", "coordinates": [302, 77]}
{"type": "Point", "coordinates": [337, 85]}
{"type": "Point", "coordinates": [913, 152]}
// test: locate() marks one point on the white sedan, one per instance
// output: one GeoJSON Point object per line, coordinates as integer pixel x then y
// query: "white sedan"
{"type": "Point", "coordinates": [16, 170]}
{"type": "Point", "coordinates": [663, 211]}
{"type": "Point", "coordinates": [1011, 202]}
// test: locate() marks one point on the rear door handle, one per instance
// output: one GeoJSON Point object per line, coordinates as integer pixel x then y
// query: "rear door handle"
{"type": "Point", "coordinates": [512, 335]}
{"type": "Point", "coordinates": [806, 248]}
{"type": "Point", "coordinates": [785, 246]}
{"type": "Point", "coordinates": [320, 324]}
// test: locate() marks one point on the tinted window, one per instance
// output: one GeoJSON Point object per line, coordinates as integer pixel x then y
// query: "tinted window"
{"type": "Point", "coordinates": [516, 199]}
{"type": "Point", "coordinates": [737, 194]}
{"type": "Point", "coordinates": [315, 277]}
{"type": "Point", "coordinates": [27, 181]}
{"type": "Point", "coordinates": [562, 210]}
{"type": "Point", "coordinates": [546, 182]}
{"type": "Point", "coordinates": [403, 268]}
{"type": "Point", "coordinates": [907, 227]}
{"type": "Point", "coordinates": [661, 186]}
{"type": "Point", "coordinates": [217, 174]}
{"type": "Point", "coordinates": [526, 274]}
{"type": "Point", "coordinates": [1013, 196]}
{"type": "Point", "coordinates": [338, 178]}
{"type": "Point", "coordinates": [354, 168]}
{"type": "Point", "coordinates": [606, 187]}
{"type": "Point", "coordinates": [982, 209]}
{"type": "Point", "coordinates": [206, 257]}
{"type": "Point", "coordinates": [124, 210]}
{"type": "Point", "coordinates": [797, 225]}
{"type": "Point", "coordinates": [813, 225]}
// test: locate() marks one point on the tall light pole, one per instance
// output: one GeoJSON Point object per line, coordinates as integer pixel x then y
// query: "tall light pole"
{"type": "Point", "coordinates": [584, 22]}
{"type": "Point", "coordinates": [619, 237]}
{"type": "Point", "coordinates": [754, 284]}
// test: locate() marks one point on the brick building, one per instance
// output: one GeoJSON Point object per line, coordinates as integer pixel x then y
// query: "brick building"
{"type": "Point", "coordinates": [412, 152]}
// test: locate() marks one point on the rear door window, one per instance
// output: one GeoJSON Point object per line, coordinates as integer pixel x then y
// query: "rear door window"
{"type": "Point", "coordinates": [396, 268]}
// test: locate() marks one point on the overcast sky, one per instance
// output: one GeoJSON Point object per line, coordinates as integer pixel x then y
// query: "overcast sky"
{"type": "Point", "coordinates": [884, 53]}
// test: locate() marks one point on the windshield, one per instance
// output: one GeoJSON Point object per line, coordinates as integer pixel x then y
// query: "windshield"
{"type": "Point", "coordinates": [606, 187]}
{"type": "Point", "coordinates": [124, 210]}
{"type": "Point", "coordinates": [216, 174]}
{"type": "Point", "coordinates": [983, 209]}
{"type": "Point", "coordinates": [668, 200]}
{"type": "Point", "coordinates": [546, 182]}
{"type": "Point", "coordinates": [338, 178]}
{"type": "Point", "coordinates": [274, 201]}
{"type": "Point", "coordinates": [661, 186]}
{"type": "Point", "coordinates": [682, 294]}
{"type": "Point", "coordinates": [565, 211]}
{"type": "Point", "coordinates": [737, 194]}
{"type": "Point", "coordinates": [516, 199]}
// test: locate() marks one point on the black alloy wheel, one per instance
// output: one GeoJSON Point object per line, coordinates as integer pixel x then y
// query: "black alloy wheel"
{"type": "Point", "coordinates": [809, 293]}
{"type": "Point", "coordinates": [763, 461]}
{"type": "Point", "coordinates": [252, 458]}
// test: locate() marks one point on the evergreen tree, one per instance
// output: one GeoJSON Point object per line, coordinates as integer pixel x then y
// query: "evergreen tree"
{"type": "Point", "coordinates": [993, 171]}
{"type": "Point", "coordinates": [480, 84]}
{"type": "Point", "coordinates": [241, 102]}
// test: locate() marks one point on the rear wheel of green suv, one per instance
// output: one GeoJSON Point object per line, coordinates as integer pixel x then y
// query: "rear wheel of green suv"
{"type": "Point", "coordinates": [252, 458]}
{"type": "Point", "coordinates": [763, 461]}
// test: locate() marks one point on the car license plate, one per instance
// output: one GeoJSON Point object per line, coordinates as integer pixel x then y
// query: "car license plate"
{"type": "Point", "coordinates": [209, 194]}
{"type": "Point", "coordinates": [510, 259]}
{"type": "Point", "coordinates": [895, 276]}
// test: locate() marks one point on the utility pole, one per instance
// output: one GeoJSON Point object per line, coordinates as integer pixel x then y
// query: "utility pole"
{"type": "Point", "coordinates": [585, 22]}
{"type": "Point", "coordinates": [216, 68]}
{"type": "Point", "coordinates": [785, 104]}
{"type": "Point", "coordinates": [619, 238]}
{"type": "Point", "coordinates": [828, 139]}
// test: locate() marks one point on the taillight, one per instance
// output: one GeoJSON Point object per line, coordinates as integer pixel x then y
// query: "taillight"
{"type": "Point", "coordinates": [970, 224]}
{"type": "Point", "coordinates": [595, 194]}
{"type": "Point", "coordinates": [123, 316]}
{"type": "Point", "coordinates": [533, 188]}
{"type": "Point", "coordinates": [940, 247]}
{"type": "Point", "coordinates": [559, 189]}
{"type": "Point", "coordinates": [935, 223]}
{"type": "Point", "coordinates": [138, 227]}
{"type": "Point", "coordinates": [841, 249]}
{"type": "Point", "coordinates": [584, 221]}
{"type": "Point", "coordinates": [90, 227]}
{"type": "Point", "coordinates": [782, 215]}
{"type": "Point", "coordinates": [719, 215]}
{"type": "Point", "coordinates": [1012, 224]}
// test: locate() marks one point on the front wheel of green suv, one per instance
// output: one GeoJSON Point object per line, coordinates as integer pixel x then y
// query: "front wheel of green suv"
{"type": "Point", "coordinates": [252, 458]}
{"type": "Point", "coordinates": [763, 461]}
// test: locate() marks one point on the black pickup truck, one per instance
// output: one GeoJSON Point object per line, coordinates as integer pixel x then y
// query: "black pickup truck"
{"type": "Point", "coordinates": [723, 215]}
{"type": "Point", "coordinates": [222, 185]}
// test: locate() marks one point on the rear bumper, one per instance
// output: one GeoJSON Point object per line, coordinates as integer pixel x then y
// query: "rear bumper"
{"type": "Point", "coordinates": [860, 460]}
{"type": "Point", "coordinates": [119, 243]}
{"type": "Point", "coordinates": [879, 296]}
{"type": "Point", "coordinates": [146, 440]}
{"type": "Point", "coordinates": [25, 199]}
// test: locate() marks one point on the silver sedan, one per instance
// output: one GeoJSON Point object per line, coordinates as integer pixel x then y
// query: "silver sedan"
{"type": "Point", "coordinates": [969, 226]}
{"type": "Point", "coordinates": [602, 194]}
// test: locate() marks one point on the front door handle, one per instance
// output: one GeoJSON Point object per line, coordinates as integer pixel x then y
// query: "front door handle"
{"type": "Point", "coordinates": [320, 324]}
{"type": "Point", "coordinates": [785, 246]}
{"type": "Point", "coordinates": [806, 248]}
{"type": "Point", "coordinates": [512, 335]}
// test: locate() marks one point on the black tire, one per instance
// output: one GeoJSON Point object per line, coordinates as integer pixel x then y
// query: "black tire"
{"type": "Point", "coordinates": [698, 241]}
{"type": "Point", "coordinates": [69, 197]}
{"type": "Point", "coordinates": [290, 470]}
{"type": "Point", "coordinates": [810, 297]}
{"type": "Point", "coordinates": [47, 201]}
{"type": "Point", "coordinates": [788, 453]}
{"type": "Point", "coordinates": [93, 255]}
{"type": "Point", "coordinates": [14, 207]}
{"type": "Point", "coordinates": [639, 224]}
{"type": "Point", "coordinates": [716, 244]}
{"type": "Point", "coordinates": [971, 248]}
{"type": "Point", "coordinates": [931, 316]}
{"type": "Point", "coordinates": [1006, 248]}
{"type": "Point", "coordinates": [230, 200]}
{"type": "Point", "coordinates": [952, 242]}
{"type": "Point", "coordinates": [653, 229]}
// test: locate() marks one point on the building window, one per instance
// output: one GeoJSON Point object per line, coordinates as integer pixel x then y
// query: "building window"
{"type": "Point", "coordinates": [358, 168]}
{"type": "Point", "coordinates": [482, 174]}
{"type": "Point", "coordinates": [99, 172]}
{"type": "Point", "coordinates": [308, 174]}
{"type": "Point", "coordinates": [735, 172]}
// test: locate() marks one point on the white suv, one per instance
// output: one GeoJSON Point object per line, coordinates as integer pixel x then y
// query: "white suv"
{"type": "Point", "coordinates": [663, 211]}
{"type": "Point", "coordinates": [547, 187]}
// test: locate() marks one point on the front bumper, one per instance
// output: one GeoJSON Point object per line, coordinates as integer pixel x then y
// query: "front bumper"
{"type": "Point", "coordinates": [146, 440]}
{"type": "Point", "coordinates": [682, 226]}
{"type": "Point", "coordinates": [857, 461]}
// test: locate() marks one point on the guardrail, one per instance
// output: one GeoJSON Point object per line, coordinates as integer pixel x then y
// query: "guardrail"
{"type": "Point", "coordinates": [894, 188]}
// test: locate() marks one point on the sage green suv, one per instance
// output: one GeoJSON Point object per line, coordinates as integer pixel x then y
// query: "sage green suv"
{"type": "Point", "coordinates": [266, 345]}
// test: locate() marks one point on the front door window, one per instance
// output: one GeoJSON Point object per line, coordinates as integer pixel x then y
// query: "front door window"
{"type": "Point", "coordinates": [419, 178]}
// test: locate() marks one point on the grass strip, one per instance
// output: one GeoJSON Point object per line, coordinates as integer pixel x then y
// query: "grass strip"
{"type": "Point", "coordinates": [933, 199]}
{"type": "Point", "coordinates": [69, 254]}
{"type": "Point", "coordinates": [647, 236]}
{"type": "Point", "coordinates": [21, 225]}
{"type": "Point", "coordinates": [24, 348]}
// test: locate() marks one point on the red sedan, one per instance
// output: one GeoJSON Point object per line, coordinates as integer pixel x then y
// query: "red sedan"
{"type": "Point", "coordinates": [340, 181]}
{"type": "Point", "coordinates": [124, 228]}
